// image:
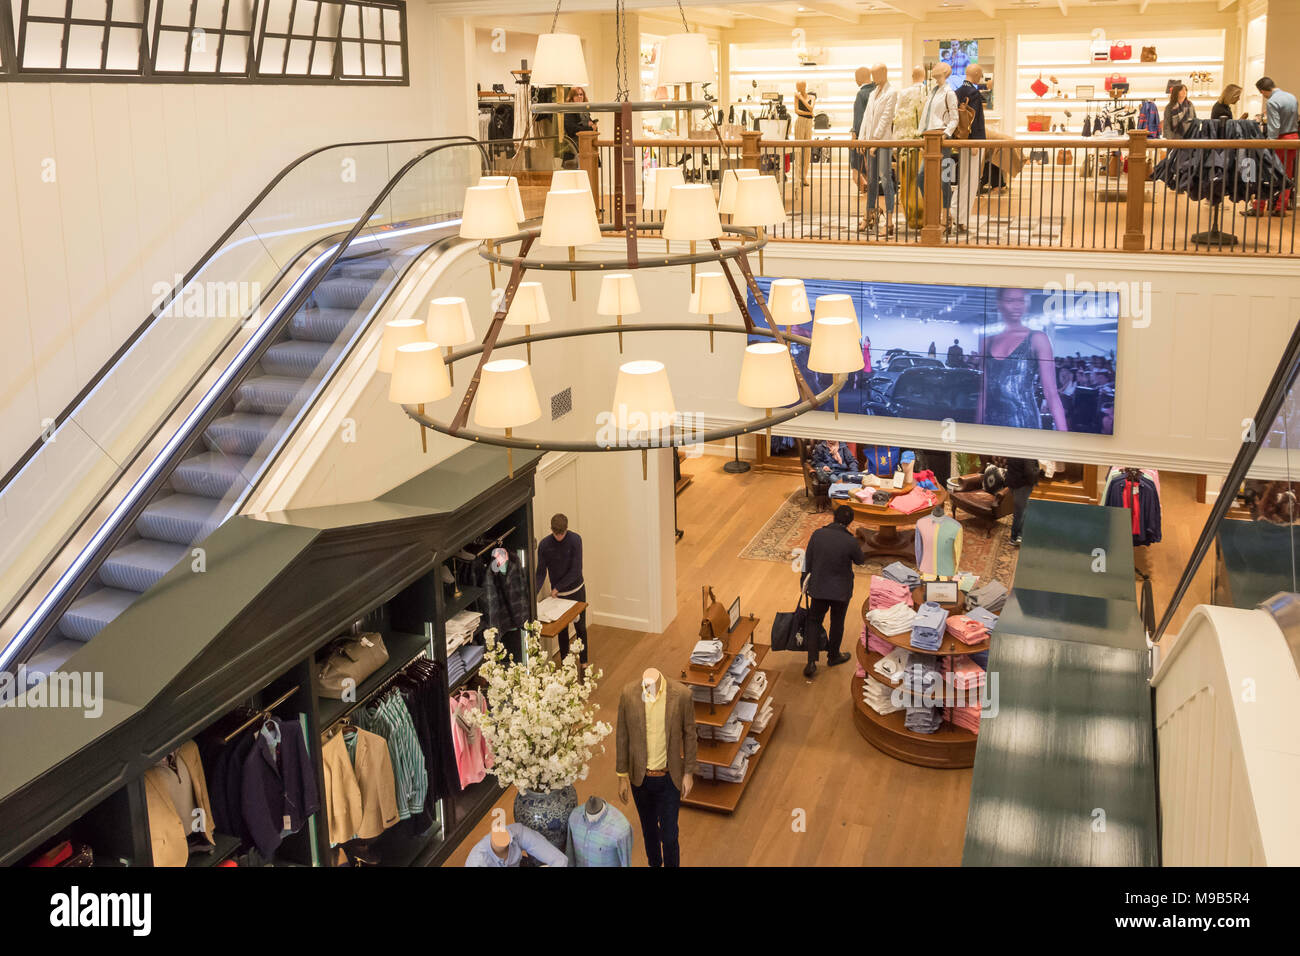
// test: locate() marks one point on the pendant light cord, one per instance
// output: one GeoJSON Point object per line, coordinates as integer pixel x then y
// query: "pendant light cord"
{"type": "Point", "coordinates": [556, 19]}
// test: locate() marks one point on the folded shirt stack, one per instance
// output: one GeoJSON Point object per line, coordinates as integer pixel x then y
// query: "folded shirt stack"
{"type": "Point", "coordinates": [967, 630]}
{"type": "Point", "coordinates": [886, 592]}
{"type": "Point", "coordinates": [990, 595]}
{"type": "Point", "coordinates": [707, 653]}
{"type": "Point", "coordinates": [892, 620]}
{"type": "Point", "coordinates": [841, 489]}
{"type": "Point", "coordinates": [756, 687]}
{"type": "Point", "coordinates": [879, 697]}
{"type": "Point", "coordinates": [890, 667]}
{"type": "Point", "coordinates": [966, 580]}
{"type": "Point", "coordinates": [763, 716]}
{"type": "Point", "coordinates": [920, 677]}
{"type": "Point", "coordinates": [463, 660]}
{"type": "Point", "coordinates": [729, 731]}
{"type": "Point", "coordinates": [915, 500]}
{"type": "Point", "coordinates": [460, 629]}
{"type": "Point", "coordinates": [873, 643]}
{"type": "Point", "coordinates": [963, 673]}
{"type": "Point", "coordinates": [900, 572]}
{"type": "Point", "coordinates": [724, 693]}
{"type": "Point", "coordinates": [928, 626]}
{"type": "Point", "coordinates": [967, 718]}
{"type": "Point", "coordinates": [923, 720]}
{"type": "Point", "coordinates": [984, 617]}
{"type": "Point", "coordinates": [742, 663]}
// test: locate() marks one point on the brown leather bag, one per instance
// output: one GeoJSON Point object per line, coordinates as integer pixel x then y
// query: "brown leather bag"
{"type": "Point", "coordinates": [1148, 54]}
{"type": "Point", "coordinates": [351, 660]}
{"type": "Point", "coordinates": [716, 621]}
{"type": "Point", "coordinates": [965, 118]}
{"type": "Point", "coordinates": [1064, 157]}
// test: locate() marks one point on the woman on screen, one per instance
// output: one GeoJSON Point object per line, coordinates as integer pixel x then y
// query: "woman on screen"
{"type": "Point", "coordinates": [1017, 363]}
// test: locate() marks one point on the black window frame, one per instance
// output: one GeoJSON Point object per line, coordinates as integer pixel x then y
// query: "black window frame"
{"type": "Point", "coordinates": [222, 33]}
{"type": "Point", "coordinates": [68, 21]}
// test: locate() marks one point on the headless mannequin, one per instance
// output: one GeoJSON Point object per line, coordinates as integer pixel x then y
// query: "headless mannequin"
{"type": "Point", "coordinates": [501, 842]}
{"type": "Point", "coordinates": [650, 679]}
{"type": "Point", "coordinates": [595, 809]}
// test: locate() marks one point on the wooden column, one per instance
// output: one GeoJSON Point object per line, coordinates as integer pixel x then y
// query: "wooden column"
{"type": "Point", "coordinates": [1134, 233]}
{"type": "Point", "coordinates": [749, 154]}
{"type": "Point", "coordinates": [932, 196]}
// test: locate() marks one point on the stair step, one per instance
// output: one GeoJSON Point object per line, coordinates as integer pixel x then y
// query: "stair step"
{"type": "Point", "coordinates": [241, 433]}
{"type": "Point", "coordinates": [212, 474]}
{"type": "Point", "coordinates": [320, 325]}
{"type": "Point", "coordinates": [91, 613]}
{"type": "Point", "coordinates": [297, 359]}
{"type": "Point", "coordinates": [139, 565]}
{"type": "Point", "coordinates": [270, 394]}
{"type": "Point", "coordinates": [182, 519]}
{"type": "Point", "coordinates": [344, 292]}
{"type": "Point", "coordinates": [51, 656]}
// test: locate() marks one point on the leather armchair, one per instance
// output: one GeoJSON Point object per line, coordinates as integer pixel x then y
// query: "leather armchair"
{"type": "Point", "coordinates": [971, 497]}
{"type": "Point", "coordinates": [814, 486]}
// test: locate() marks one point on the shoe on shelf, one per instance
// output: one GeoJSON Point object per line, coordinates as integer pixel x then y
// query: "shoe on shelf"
{"type": "Point", "coordinates": [838, 659]}
{"type": "Point", "coordinates": [809, 670]}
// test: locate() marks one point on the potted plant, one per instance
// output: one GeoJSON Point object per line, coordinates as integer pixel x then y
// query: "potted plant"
{"type": "Point", "coordinates": [542, 729]}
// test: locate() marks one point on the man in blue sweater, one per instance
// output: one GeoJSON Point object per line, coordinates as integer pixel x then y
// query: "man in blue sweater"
{"type": "Point", "coordinates": [559, 554]}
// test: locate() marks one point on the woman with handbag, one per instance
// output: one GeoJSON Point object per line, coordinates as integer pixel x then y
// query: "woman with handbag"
{"type": "Point", "coordinates": [1179, 113]}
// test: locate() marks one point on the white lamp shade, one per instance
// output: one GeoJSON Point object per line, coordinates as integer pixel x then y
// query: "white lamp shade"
{"type": "Point", "coordinates": [758, 202]}
{"type": "Point", "coordinates": [836, 345]}
{"type": "Point", "coordinates": [659, 183]}
{"type": "Point", "coordinates": [449, 322]}
{"type": "Point", "coordinates": [558, 61]}
{"type": "Point", "coordinates": [618, 295]}
{"type": "Point", "coordinates": [766, 377]}
{"type": "Point", "coordinates": [512, 187]}
{"type": "Point", "coordinates": [685, 58]}
{"type": "Point", "coordinates": [397, 333]}
{"type": "Point", "coordinates": [571, 179]}
{"type": "Point", "coordinates": [643, 399]}
{"type": "Point", "coordinates": [787, 300]}
{"type": "Point", "coordinates": [836, 304]}
{"type": "Point", "coordinates": [488, 213]}
{"type": "Point", "coordinates": [727, 199]}
{"type": "Point", "coordinates": [692, 214]}
{"type": "Point", "coordinates": [506, 396]}
{"type": "Point", "coordinates": [528, 306]}
{"type": "Point", "coordinates": [711, 295]}
{"type": "Point", "coordinates": [419, 375]}
{"type": "Point", "coordinates": [569, 219]}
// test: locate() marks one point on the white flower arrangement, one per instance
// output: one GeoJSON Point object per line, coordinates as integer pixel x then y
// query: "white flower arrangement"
{"type": "Point", "coordinates": [540, 724]}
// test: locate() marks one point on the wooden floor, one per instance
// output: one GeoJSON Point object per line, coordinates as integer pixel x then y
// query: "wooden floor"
{"type": "Point", "coordinates": [822, 796]}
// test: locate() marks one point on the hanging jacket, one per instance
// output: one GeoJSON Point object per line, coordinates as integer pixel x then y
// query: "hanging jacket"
{"type": "Point", "coordinates": [1087, 126]}
{"type": "Point", "coordinates": [1142, 501]}
{"type": "Point", "coordinates": [1149, 117]}
{"type": "Point", "coordinates": [278, 790]}
{"type": "Point", "coordinates": [507, 598]}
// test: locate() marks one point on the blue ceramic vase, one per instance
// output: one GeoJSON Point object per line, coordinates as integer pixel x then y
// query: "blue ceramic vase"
{"type": "Point", "coordinates": [547, 813]}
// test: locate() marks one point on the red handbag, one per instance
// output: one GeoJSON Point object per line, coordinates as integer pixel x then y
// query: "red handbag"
{"type": "Point", "coordinates": [1121, 51]}
{"type": "Point", "coordinates": [1114, 78]}
{"type": "Point", "coordinates": [1038, 86]}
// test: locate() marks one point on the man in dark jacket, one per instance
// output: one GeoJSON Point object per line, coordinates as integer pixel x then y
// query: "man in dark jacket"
{"type": "Point", "coordinates": [1022, 475]}
{"type": "Point", "coordinates": [559, 555]}
{"type": "Point", "coordinates": [828, 569]}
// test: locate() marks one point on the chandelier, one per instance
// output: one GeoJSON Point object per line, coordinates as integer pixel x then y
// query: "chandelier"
{"type": "Point", "coordinates": [500, 393]}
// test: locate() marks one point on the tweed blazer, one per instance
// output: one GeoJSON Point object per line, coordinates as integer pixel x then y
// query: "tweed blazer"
{"type": "Point", "coordinates": [679, 714]}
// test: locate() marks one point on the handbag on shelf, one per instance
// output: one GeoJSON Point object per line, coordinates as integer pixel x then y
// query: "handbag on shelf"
{"type": "Point", "coordinates": [965, 119]}
{"type": "Point", "coordinates": [1038, 122]}
{"type": "Point", "coordinates": [1038, 86]}
{"type": "Point", "coordinates": [1121, 51]}
{"type": "Point", "coordinates": [1148, 54]}
{"type": "Point", "coordinates": [351, 660]}
{"type": "Point", "coordinates": [1170, 84]}
{"type": "Point", "coordinates": [1109, 83]}
{"type": "Point", "coordinates": [1100, 49]}
{"type": "Point", "coordinates": [1064, 157]}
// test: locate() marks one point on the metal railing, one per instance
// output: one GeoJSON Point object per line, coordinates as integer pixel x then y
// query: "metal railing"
{"type": "Point", "coordinates": [1099, 193]}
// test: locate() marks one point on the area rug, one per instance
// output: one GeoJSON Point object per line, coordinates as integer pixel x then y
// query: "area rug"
{"type": "Point", "coordinates": [991, 556]}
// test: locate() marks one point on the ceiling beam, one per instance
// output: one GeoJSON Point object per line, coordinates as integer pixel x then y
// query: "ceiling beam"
{"type": "Point", "coordinates": [698, 17]}
{"type": "Point", "coordinates": [832, 10]}
{"type": "Point", "coordinates": [763, 13]}
{"type": "Point", "coordinates": [897, 7]}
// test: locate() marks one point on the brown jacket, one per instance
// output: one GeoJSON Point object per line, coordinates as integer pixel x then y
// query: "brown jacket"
{"type": "Point", "coordinates": [679, 713]}
{"type": "Point", "coordinates": [168, 833]}
{"type": "Point", "coordinates": [360, 795]}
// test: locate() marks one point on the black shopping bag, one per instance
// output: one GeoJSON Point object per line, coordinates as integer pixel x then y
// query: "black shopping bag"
{"type": "Point", "coordinates": [788, 630]}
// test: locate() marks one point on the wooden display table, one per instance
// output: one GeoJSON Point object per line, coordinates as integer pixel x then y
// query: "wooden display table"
{"type": "Point", "coordinates": [553, 628]}
{"type": "Point", "coordinates": [888, 523]}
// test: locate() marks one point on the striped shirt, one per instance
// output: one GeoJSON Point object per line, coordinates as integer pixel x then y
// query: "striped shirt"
{"type": "Point", "coordinates": [938, 546]}
{"type": "Point", "coordinates": [390, 719]}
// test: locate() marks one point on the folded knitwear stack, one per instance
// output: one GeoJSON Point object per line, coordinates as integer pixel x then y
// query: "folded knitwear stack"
{"type": "Point", "coordinates": [879, 697]}
{"type": "Point", "coordinates": [966, 580]}
{"type": "Point", "coordinates": [707, 653]}
{"type": "Point", "coordinates": [463, 660]}
{"type": "Point", "coordinates": [990, 595]}
{"type": "Point", "coordinates": [892, 620]}
{"type": "Point", "coordinates": [460, 629]}
{"type": "Point", "coordinates": [873, 643]}
{"type": "Point", "coordinates": [928, 626]}
{"type": "Point", "coordinates": [900, 572]}
{"type": "Point", "coordinates": [890, 667]}
{"type": "Point", "coordinates": [918, 499]}
{"type": "Point", "coordinates": [886, 592]}
{"type": "Point", "coordinates": [922, 675]}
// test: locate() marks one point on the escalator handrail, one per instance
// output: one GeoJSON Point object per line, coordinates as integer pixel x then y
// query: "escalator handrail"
{"type": "Point", "coordinates": [70, 588]}
{"type": "Point", "coordinates": [70, 409]}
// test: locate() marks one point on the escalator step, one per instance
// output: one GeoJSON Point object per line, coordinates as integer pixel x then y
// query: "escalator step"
{"type": "Point", "coordinates": [90, 613]}
{"type": "Point", "coordinates": [298, 359]}
{"type": "Point", "coordinates": [138, 566]}
{"type": "Point", "coordinates": [269, 394]}
{"type": "Point", "coordinates": [51, 656]}
{"type": "Point", "coordinates": [343, 292]}
{"type": "Point", "coordinates": [372, 268]}
{"type": "Point", "coordinates": [241, 433]}
{"type": "Point", "coordinates": [320, 325]}
{"type": "Point", "coordinates": [211, 474]}
{"type": "Point", "coordinates": [181, 519]}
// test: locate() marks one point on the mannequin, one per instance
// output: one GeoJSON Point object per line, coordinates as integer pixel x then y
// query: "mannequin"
{"type": "Point", "coordinates": [598, 835]}
{"type": "Point", "coordinates": [938, 545]}
{"type": "Point", "coordinates": [595, 808]}
{"type": "Point", "coordinates": [501, 843]}
{"type": "Point", "coordinates": [507, 845]}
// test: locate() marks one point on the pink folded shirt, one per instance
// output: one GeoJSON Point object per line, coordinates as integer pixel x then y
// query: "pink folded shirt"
{"type": "Point", "coordinates": [879, 645]}
{"type": "Point", "coordinates": [966, 630]}
{"type": "Point", "coordinates": [886, 593]}
{"type": "Point", "coordinates": [965, 672]}
{"type": "Point", "coordinates": [914, 500]}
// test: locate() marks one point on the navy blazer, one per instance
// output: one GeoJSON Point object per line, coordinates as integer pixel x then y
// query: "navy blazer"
{"type": "Point", "coordinates": [278, 791]}
{"type": "Point", "coordinates": [832, 552]}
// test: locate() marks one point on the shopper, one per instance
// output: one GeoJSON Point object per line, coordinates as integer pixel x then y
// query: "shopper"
{"type": "Point", "coordinates": [1179, 113]}
{"type": "Point", "coordinates": [940, 113]}
{"type": "Point", "coordinates": [656, 758]}
{"type": "Point", "coordinates": [1022, 475]}
{"type": "Point", "coordinates": [803, 127]}
{"type": "Point", "coordinates": [1229, 98]}
{"type": "Point", "coordinates": [971, 160]}
{"type": "Point", "coordinates": [878, 124]}
{"type": "Point", "coordinates": [559, 555]}
{"type": "Point", "coordinates": [857, 157]}
{"type": "Point", "coordinates": [828, 578]}
{"type": "Point", "coordinates": [1280, 120]}
{"type": "Point", "coordinates": [575, 123]}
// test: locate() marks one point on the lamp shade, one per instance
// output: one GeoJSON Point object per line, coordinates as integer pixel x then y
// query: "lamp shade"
{"type": "Point", "coordinates": [711, 295]}
{"type": "Point", "coordinates": [659, 182]}
{"type": "Point", "coordinates": [506, 396]}
{"type": "Point", "coordinates": [528, 306]}
{"type": "Point", "coordinates": [512, 187]}
{"type": "Point", "coordinates": [449, 322]}
{"type": "Point", "coordinates": [643, 399]}
{"type": "Point", "coordinates": [685, 58]}
{"type": "Point", "coordinates": [787, 299]}
{"type": "Point", "coordinates": [758, 202]}
{"type": "Point", "coordinates": [836, 304]}
{"type": "Point", "coordinates": [766, 377]}
{"type": "Point", "coordinates": [727, 199]}
{"type": "Point", "coordinates": [618, 295]}
{"type": "Point", "coordinates": [488, 213]}
{"type": "Point", "coordinates": [571, 179]}
{"type": "Point", "coordinates": [419, 375]}
{"type": "Point", "coordinates": [397, 333]}
{"type": "Point", "coordinates": [569, 219]}
{"type": "Point", "coordinates": [836, 345]}
{"type": "Point", "coordinates": [558, 61]}
{"type": "Point", "coordinates": [692, 213]}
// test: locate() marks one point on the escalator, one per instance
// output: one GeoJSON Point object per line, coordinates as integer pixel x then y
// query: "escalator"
{"type": "Point", "coordinates": [206, 456]}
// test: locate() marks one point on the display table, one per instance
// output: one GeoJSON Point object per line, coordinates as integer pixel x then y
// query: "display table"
{"type": "Point", "coordinates": [887, 541]}
{"type": "Point", "coordinates": [553, 628]}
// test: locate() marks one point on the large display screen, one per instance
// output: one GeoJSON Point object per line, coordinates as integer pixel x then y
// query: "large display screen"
{"type": "Point", "coordinates": [1020, 358]}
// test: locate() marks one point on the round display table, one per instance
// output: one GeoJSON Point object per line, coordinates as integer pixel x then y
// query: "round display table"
{"type": "Point", "coordinates": [886, 540]}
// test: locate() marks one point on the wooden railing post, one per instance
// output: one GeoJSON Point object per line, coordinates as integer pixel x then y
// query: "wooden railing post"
{"type": "Point", "coordinates": [749, 154]}
{"type": "Point", "coordinates": [1134, 234]}
{"type": "Point", "coordinates": [932, 195]}
{"type": "Point", "coordinates": [588, 163]}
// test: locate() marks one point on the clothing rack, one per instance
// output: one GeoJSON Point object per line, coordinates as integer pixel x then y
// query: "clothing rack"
{"type": "Point", "coordinates": [423, 655]}
{"type": "Point", "coordinates": [496, 543]}
{"type": "Point", "coordinates": [262, 714]}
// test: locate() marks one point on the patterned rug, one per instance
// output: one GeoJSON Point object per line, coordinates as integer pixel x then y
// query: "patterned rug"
{"type": "Point", "coordinates": [989, 556]}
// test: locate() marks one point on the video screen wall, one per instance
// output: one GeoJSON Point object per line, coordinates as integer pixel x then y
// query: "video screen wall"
{"type": "Point", "coordinates": [1020, 358]}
